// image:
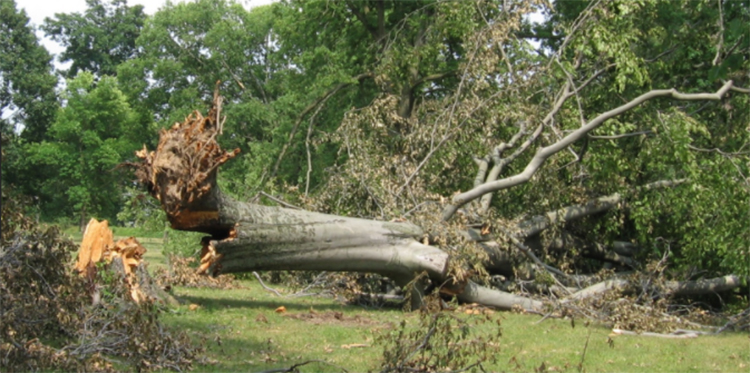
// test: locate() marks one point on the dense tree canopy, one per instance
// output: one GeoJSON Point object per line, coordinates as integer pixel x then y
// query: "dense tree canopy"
{"type": "Point", "coordinates": [100, 39]}
{"type": "Point", "coordinates": [95, 132]}
{"type": "Point", "coordinates": [27, 85]}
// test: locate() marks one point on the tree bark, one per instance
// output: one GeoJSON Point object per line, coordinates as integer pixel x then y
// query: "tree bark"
{"type": "Point", "coordinates": [245, 237]}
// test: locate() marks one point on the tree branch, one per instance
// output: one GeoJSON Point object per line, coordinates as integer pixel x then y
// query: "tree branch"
{"type": "Point", "coordinates": [363, 20]}
{"type": "Point", "coordinates": [705, 286]}
{"type": "Point", "coordinates": [545, 153]}
{"type": "Point", "coordinates": [432, 77]}
{"type": "Point", "coordinates": [615, 137]}
{"type": "Point", "coordinates": [501, 163]}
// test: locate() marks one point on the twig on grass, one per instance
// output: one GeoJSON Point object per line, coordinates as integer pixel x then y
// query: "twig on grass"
{"type": "Point", "coordinates": [264, 285]}
{"type": "Point", "coordinates": [583, 355]}
{"type": "Point", "coordinates": [677, 335]}
{"type": "Point", "coordinates": [318, 280]}
{"type": "Point", "coordinates": [294, 367]}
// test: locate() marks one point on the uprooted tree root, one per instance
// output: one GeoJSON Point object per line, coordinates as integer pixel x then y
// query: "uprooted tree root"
{"type": "Point", "coordinates": [48, 320]}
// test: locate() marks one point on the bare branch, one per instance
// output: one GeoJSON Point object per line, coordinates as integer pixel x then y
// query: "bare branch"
{"type": "Point", "coordinates": [307, 148]}
{"type": "Point", "coordinates": [599, 288]}
{"type": "Point", "coordinates": [530, 254]}
{"type": "Point", "coordinates": [651, 334]}
{"type": "Point", "coordinates": [482, 165]}
{"type": "Point", "coordinates": [740, 89]}
{"type": "Point", "coordinates": [257, 276]}
{"type": "Point", "coordinates": [294, 367]}
{"type": "Point", "coordinates": [592, 77]}
{"type": "Point", "coordinates": [285, 204]}
{"type": "Point", "coordinates": [717, 58]}
{"type": "Point", "coordinates": [544, 153]}
{"type": "Point", "coordinates": [706, 286]}
{"type": "Point", "coordinates": [501, 163]}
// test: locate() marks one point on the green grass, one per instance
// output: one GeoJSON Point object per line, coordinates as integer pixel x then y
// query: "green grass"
{"type": "Point", "coordinates": [230, 325]}
{"type": "Point", "coordinates": [136, 232]}
{"type": "Point", "coordinates": [241, 332]}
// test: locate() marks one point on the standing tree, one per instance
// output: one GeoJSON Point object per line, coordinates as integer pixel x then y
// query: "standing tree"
{"type": "Point", "coordinates": [92, 134]}
{"type": "Point", "coordinates": [27, 86]}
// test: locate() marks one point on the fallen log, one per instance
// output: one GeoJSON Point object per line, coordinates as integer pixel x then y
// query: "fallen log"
{"type": "Point", "coordinates": [244, 237]}
{"type": "Point", "coordinates": [704, 286]}
{"type": "Point", "coordinates": [697, 287]}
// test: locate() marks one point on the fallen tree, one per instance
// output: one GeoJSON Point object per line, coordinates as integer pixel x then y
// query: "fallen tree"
{"type": "Point", "coordinates": [181, 173]}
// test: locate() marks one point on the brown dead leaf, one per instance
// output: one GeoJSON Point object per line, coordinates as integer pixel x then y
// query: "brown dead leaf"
{"type": "Point", "coordinates": [193, 307]}
{"type": "Point", "coordinates": [281, 309]}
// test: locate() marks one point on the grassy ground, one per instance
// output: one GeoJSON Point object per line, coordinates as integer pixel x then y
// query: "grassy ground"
{"type": "Point", "coordinates": [242, 332]}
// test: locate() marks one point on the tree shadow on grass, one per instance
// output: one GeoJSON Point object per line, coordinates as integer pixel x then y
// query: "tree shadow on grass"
{"type": "Point", "coordinates": [291, 304]}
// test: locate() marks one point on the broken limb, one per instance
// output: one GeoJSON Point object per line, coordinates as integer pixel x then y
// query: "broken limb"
{"type": "Point", "coordinates": [697, 287]}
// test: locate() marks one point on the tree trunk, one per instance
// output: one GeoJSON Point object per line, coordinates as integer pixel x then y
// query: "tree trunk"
{"type": "Point", "coordinates": [245, 237]}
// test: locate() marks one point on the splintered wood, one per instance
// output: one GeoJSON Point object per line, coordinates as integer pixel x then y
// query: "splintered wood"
{"type": "Point", "coordinates": [97, 238]}
{"type": "Point", "coordinates": [98, 245]}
